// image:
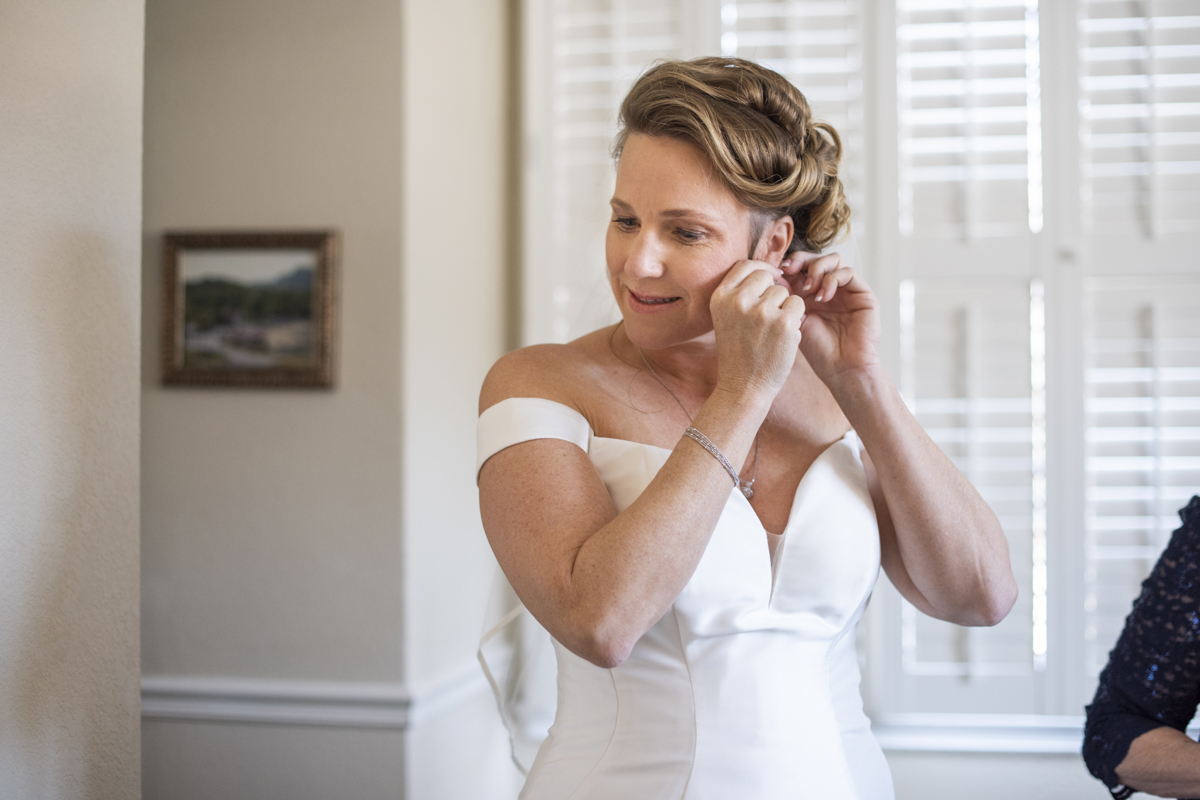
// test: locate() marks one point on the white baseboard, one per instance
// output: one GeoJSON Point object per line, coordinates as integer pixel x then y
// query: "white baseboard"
{"type": "Point", "coordinates": [395, 706]}
{"type": "Point", "coordinates": [345, 704]}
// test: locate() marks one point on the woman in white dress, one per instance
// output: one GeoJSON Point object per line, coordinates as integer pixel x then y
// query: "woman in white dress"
{"type": "Point", "coordinates": [695, 502]}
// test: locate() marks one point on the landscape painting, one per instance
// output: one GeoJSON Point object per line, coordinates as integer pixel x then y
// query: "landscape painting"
{"type": "Point", "coordinates": [248, 309]}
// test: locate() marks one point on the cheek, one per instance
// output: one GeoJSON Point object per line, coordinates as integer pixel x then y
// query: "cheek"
{"type": "Point", "coordinates": [614, 254]}
{"type": "Point", "coordinates": [708, 274]}
{"type": "Point", "coordinates": [703, 294]}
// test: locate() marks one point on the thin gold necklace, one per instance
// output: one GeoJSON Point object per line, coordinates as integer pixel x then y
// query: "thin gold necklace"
{"type": "Point", "coordinates": [745, 487]}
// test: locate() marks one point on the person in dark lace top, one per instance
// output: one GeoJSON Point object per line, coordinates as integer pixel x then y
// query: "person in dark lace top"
{"type": "Point", "coordinates": [1135, 737]}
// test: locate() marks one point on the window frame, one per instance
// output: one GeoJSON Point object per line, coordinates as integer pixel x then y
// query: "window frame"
{"type": "Point", "coordinates": [1062, 255]}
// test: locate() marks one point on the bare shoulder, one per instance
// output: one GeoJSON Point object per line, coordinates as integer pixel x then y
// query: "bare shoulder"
{"type": "Point", "coordinates": [560, 372]}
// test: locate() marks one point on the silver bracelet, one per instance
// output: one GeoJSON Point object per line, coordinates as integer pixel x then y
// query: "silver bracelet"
{"type": "Point", "coordinates": [707, 444]}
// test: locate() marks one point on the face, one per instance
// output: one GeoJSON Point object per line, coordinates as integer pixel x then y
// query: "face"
{"type": "Point", "coordinates": [675, 231]}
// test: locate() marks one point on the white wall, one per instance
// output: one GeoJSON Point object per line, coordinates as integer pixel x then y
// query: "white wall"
{"type": "Point", "coordinates": [70, 218]}
{"type": "Point", "coordinates": [458, 195]}
{"type": "Point", "coordinates": [313, 542]}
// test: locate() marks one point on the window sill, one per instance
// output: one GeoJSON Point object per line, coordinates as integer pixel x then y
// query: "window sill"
{"type": "Point", "coordinates": [984, 733]}
{"type": "Point", "coordinates": [978, 733]}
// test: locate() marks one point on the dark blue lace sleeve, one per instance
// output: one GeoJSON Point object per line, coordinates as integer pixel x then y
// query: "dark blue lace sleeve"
{"type": "Point", "coordinates": [1153, 674]}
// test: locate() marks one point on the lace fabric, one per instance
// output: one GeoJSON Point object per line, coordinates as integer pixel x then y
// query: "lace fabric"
{"type": "Point", "coordinates": [1153, 674]}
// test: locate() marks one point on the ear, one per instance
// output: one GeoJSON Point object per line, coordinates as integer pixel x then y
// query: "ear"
{"type": "Point", "coordinates": [775, 240]}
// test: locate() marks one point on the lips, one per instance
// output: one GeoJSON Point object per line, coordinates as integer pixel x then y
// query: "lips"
{"type": "Point", "coordinates": [650, 300]}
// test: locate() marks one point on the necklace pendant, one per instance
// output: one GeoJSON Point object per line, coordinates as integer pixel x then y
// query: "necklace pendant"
{"type": "Point", "coordinates": [746, 490]}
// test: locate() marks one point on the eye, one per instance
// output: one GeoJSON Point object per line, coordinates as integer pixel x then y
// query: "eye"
{"type": "Point", "coordinates": [625, 223]}
{"type": "Point", "coordinates": [688, 235]}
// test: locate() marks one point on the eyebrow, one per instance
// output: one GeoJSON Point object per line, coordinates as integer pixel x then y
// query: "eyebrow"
{"type": "Point", "coordinates": [673, 213]}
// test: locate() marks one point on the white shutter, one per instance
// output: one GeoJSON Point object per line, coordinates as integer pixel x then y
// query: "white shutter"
{"type": "Point", "coordinates": [1143, 438]}
{"type": "Point", "coordinates": [968, 84]}
{"type": "Point", "coordinates": [1140, 107]}
{"type": "Point", "coordinates": [973, 322]}
{"type": "Point", "coordinates": [973, 372]}
{"type": "Point", "coordinates": [817, 45]}
{"type": "Point", "coordinates": [1139, 123]}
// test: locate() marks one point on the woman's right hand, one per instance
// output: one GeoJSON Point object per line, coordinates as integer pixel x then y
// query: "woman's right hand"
{"type": "Point", "coordinates": [757, 325]}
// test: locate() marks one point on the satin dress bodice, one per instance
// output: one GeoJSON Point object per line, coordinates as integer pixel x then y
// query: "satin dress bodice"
{"type": "Point", "coordinates": [748, 686]}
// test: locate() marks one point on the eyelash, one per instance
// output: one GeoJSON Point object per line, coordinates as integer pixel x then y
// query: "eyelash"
{"type": "Point", "coordinates": [687, 235]}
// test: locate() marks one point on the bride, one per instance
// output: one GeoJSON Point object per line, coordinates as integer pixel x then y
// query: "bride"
{"type": "Point", "coordinates": [695, 502]}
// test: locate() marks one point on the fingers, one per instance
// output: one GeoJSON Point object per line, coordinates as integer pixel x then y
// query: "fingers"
{"type": "Point", "coordinates": [747, 278]}
{"type": "Point", "coordinates": [755, 284]}
{"type": "Point", "coordinates": [778, 302]}
{"type": "Point", "coordinates": [793, 308]}
{"type": "Point", "coordinates": [758, 283]}
{"type": "Point", "coordinates": [797, 261]}
{"type": "Point", "coordinates": [757, 325]}
{"type": "Point", "coordinates": [831, 281]}
{"type": "Point", "coordinates": [744, 269]}
{"type": "Point", "coordinates": [817, 276]}
{"type": "Point", "coordinates": [775, 295]}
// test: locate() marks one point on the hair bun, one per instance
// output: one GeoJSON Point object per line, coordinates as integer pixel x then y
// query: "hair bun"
{"type": "Point", "coordinates": [756, 129]}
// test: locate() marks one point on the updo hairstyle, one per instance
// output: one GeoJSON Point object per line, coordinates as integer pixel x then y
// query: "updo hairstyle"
{"type": "Point", "coordinates": [757, 131]}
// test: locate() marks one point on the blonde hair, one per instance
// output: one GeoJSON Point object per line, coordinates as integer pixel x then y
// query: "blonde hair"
{"type": "Point", "coordinates": [757, 131]}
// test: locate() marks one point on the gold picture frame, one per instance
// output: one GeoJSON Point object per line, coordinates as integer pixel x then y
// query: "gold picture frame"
{"type": "Point", "coordinates": [249, 308]}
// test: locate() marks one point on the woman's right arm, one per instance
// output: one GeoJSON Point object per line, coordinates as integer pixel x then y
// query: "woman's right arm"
{"type": "Point", "coordinates": [598, 580]}
{"type": "Point", "coordinates": [1163, 762]}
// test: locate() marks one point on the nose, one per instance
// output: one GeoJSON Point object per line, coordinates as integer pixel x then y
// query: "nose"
{"type": "Point", "coordinates": [644, 259]}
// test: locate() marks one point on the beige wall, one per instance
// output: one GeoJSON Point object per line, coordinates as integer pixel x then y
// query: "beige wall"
{"type": "Point", "coordinates": [208, 761]}
{"type": "Point", "coordinates": [271, 541]}
{"type": "Point", "coordinates": [70, 217]}
{"type": "Point", "coordinates": [329, 538]}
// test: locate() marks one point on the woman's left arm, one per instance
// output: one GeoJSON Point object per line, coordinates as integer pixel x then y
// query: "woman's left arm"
{"type": "Point", "coordinates": [942, 546]}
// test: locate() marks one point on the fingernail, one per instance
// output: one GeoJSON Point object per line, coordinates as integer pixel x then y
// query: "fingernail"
{"type": "Point", "coordinates": [807, 285]}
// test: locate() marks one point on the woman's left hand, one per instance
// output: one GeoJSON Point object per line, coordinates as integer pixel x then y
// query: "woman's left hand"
{"type": "Point", "coordinates": [941, 545]}
{"type": "Point", "coordinates": [840, 331]}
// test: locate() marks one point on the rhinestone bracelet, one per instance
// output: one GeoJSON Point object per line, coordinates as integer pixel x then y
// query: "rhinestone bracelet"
{"type": "Point", "coordinates": [707, 444]}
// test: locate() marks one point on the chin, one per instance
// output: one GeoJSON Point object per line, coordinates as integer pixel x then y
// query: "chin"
{"type": "Point", "coordinates": [658, 334]}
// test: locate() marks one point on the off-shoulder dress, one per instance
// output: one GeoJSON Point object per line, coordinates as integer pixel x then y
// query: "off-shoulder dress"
{"type": "Point", "coordinates": [748, 686]}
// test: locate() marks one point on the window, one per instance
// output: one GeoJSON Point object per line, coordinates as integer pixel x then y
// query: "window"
{"type": "Point", "coordinates": [1025, 178]}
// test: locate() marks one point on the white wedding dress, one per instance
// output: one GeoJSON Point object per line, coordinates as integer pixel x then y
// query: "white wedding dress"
{"type": "Point", "coordinates": [748, 686]}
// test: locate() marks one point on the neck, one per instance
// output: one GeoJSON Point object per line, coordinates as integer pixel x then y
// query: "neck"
{"type": "Point", "coordinates": [693, 363]}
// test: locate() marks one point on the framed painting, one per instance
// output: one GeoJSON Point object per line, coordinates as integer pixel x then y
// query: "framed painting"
{"type": "Point", "coordinates": [249, 308]}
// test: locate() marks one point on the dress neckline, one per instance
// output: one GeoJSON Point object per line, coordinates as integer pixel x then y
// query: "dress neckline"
{"type": "Point", "coordinates": [736, 494]}
{"type": "Point", "coordinates": [592, 436]}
